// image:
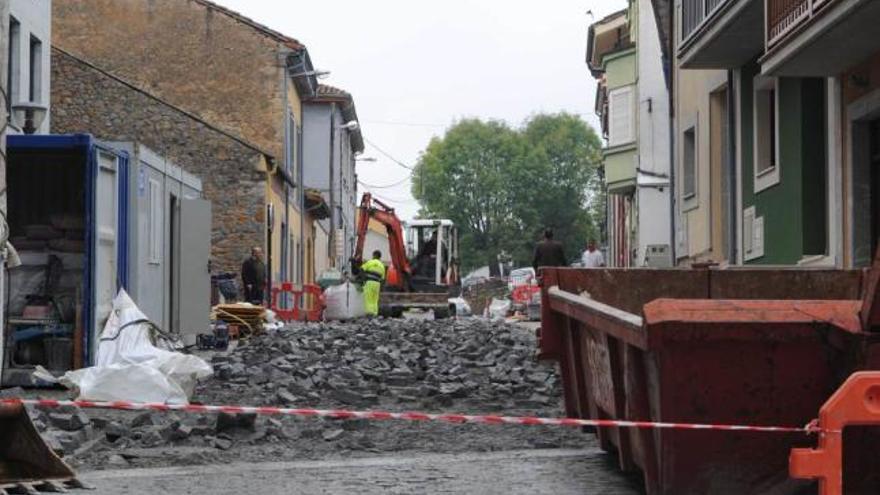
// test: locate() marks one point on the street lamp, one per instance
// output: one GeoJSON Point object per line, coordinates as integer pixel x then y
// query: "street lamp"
{"type": "Point", "coordinates": [366, 159]}
{"type": "Point", "coordinates": [320, 74]}
{"type": "Point", "coordinates": [350, 126]}
{"type": "Point", "coordinates": [28, 116]}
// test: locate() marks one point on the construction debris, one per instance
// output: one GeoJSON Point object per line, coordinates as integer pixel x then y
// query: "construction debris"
{"type": "Point", "coordinates": [465, 365]}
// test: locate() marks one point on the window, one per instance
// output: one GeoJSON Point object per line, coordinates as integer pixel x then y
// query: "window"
{"type": "Point", "coordinates": [155, 223]}
{"type": "Point", "coordinates": [689, 163]}
{"type": "Point", "coordinates": [14, 62]}
{"type": "Point", "coordinates": [35, 74]}
{"type": "Point", "coordinates": [766, 111]}
{"type": "Point", "coordinates": [621, 122]}
{"type": "Point", "coordinates": [753, 234]}
{"type": "Point", "coordinates": [291, 164]}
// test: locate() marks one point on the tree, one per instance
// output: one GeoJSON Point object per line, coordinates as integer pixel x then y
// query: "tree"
{"type": "Point", "coordinates": [503, 186]}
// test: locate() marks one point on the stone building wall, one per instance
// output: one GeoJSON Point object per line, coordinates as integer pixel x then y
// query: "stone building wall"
{"type": "Point", "coordinates": [197, 56]}
{"type": "Point", "coordinates": [85, 99]}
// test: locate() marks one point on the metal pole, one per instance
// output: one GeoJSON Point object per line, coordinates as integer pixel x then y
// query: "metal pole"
{"type": "Point", "coordinates": [4, 115]}
{"type": "Point", "coordinates": [302, 206]}
{"type": "Point", "coordinates": [438, 264]}
{"type": "Point", "coordinates": [332, 188]}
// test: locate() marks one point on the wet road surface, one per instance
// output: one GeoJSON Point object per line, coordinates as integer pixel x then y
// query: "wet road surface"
{"type": "Point", "coordinates": [556, 471]}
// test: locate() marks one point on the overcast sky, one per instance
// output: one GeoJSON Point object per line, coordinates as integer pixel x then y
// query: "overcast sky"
{"type": "Point", "coordinates": [414, 67]}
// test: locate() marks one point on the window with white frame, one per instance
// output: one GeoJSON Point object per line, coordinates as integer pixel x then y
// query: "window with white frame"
{"type": "Point", "coordinates": [13, 44]}
{"type": "Point", "coordinates": [35, 75]}
{"type": "Point", "coordinates": [689, 163]}
{"type": "Point", "coordinates": [621, 121]}
{"type": "Point", "coordinates": [766, 132]}
{"type": "Point", "coordinates": [155, 222]}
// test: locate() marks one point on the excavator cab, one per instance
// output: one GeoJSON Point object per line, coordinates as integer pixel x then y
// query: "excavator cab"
{"type": "Point", "coordinates": [432, 249]}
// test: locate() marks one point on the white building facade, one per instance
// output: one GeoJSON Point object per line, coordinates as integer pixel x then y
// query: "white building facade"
{"type": "Point", "coordinates": [652, 116]}
{"type": "Point", "coordinates": [29, 45]}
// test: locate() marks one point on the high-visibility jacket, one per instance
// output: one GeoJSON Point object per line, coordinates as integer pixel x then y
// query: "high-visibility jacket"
{"type": "Point", "coordinates": [374, 270]}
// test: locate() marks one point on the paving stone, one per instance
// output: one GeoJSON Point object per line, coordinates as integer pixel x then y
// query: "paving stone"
{"type": "Point", "coordinates": [330, 435]}
{"type": "Point", "coordinates": [223, 443]}
{"type": "Point", "coordinates": [114, 430]}
{"type": "Point", "coordinates": [284, 397]}
{"type": "Point", "coordinates": [242, 421]}
{"type": "Point", "coordinates": [68, 421]}
{"type": "Point", "coordinates": [146, 418]}
{"type": "Point", "coordinates": [117, 461]}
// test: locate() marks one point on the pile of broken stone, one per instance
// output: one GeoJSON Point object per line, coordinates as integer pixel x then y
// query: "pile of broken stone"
{"type": "Point", "coordinates": [468, 365]}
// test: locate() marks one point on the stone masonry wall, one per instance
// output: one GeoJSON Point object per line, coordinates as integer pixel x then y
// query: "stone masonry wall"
{"type": "Point", "coordinates": [88, 100]}
{"type": "Point", "coordinates": [188, 53]}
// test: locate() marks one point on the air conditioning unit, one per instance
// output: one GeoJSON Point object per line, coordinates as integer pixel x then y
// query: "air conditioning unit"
{"type": "Point", "coordinates": [658, 256]}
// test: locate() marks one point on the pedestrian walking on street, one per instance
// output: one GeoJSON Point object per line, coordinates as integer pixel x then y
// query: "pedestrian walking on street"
{"type": "Point", "coordinates": [253, 276]}
{"type": "Point", "coordinates": [548, 252]}
{"type": "Point", "coordinates": [592, 257]}
{"type": "Point", "coordinates": [374, 273]}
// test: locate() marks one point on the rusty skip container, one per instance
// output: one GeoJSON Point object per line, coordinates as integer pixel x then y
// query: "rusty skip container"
{"type": "Point", "coordinates": [736, 346]}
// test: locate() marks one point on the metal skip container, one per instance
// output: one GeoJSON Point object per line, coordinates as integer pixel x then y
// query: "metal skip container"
{"type": "Point", "coordinates": [736, 346]}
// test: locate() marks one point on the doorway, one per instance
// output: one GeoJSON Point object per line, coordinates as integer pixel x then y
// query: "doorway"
{"type": "Point", "coordinates": [719, 174]}
{"type": "Point", "coordinates": [874, 160]}
{"type": "Point", "coordinates": [864, 117]}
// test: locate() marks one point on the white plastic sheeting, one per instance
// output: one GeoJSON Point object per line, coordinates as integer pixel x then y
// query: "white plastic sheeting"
{"type": "Point", "coordinates": [130, 368]}
{"type": "Point", "coordinates": [462, 308]}
{"type": "Point", "coordinates": [500, 308]}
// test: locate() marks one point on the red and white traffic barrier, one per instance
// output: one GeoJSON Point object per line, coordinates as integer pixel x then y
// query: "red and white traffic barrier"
{"type": "Point", "coordinates": [406, 416]}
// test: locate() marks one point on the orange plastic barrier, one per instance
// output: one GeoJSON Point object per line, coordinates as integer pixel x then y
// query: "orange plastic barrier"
{"type": "Point", "coordinates": [856, 403]}
{"type": "Point", "coordinates": [522, 294]}
{"type": "Point", "coordinates": [308, 302]}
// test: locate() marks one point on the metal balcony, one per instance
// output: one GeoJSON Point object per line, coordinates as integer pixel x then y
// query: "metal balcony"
{"type": "Point", "coordinates": [783, 16]}
{"type": "Point", "coordinates": [818, 38]}
{"type": "Point", "coordinates": [694, 12]}
{"type": "Point", "coordinates": [720, 34]}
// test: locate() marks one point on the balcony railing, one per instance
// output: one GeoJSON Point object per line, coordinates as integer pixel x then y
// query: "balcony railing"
{"type": "Point", "coordinates": [695, 12]}
{"type": "Point", "coordinates": [785, 15]}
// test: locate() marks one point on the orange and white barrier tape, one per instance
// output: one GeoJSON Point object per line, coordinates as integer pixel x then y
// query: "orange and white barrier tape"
{"type": "Point", "coordinates": [406, 416]}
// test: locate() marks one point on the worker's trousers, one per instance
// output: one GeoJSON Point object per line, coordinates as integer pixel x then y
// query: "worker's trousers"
{"type": "Point", "coordinates": [371, 297]}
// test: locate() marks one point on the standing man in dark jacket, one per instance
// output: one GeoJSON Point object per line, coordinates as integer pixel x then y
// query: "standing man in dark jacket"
{"type": "Point", "coordinates": [548, 252]}
{"type": "Point", "coordinates": [253, 276]}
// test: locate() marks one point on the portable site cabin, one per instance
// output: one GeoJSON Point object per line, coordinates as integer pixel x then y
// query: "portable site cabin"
{"type": "Point", "coordinates": [72, 206]}
{"type": "Point", "coordinates": [169, 243]}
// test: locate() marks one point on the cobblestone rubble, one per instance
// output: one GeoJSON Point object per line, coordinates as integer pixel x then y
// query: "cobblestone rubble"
{"type": "Point", "coordinates": [467, 365]}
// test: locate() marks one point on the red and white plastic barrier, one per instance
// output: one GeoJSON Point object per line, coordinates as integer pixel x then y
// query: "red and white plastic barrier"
{"type": "Point", "coordinates": [407, 416]}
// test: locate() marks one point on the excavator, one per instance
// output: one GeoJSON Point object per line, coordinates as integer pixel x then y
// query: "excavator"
{"type": "Point", "coordinates": [424, 270]}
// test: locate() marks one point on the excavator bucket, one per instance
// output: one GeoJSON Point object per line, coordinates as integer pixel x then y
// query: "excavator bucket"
{"type": "Point", "coordinates": [27, 464]}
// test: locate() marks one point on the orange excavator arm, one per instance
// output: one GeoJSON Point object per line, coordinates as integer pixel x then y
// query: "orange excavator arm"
{"type": "Point", "coordinates": [384, 214]}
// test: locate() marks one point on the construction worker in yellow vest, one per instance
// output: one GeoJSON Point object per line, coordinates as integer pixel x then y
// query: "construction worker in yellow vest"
{"type": "Point", "coordinates": [373, 271]}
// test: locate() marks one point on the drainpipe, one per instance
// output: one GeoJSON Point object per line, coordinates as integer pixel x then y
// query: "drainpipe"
{"type": "Point", "coordinates": [731, 162]}
{"type": "Point", "coordinates": [332, 187]}
{"type": "Point", "coordinates": [302, 207]}
{"type": "Point", "coordinates": [673, 244]}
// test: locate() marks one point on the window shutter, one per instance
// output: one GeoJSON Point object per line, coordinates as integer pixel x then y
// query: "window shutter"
{"type": "Point", "coordinates": [621, 121]}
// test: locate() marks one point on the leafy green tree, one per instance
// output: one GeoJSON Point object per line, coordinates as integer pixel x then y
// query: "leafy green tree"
{"type": "Point", "coordinates": [503, 186]}
{"type": "Point", "coordinates": [567, 152]}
